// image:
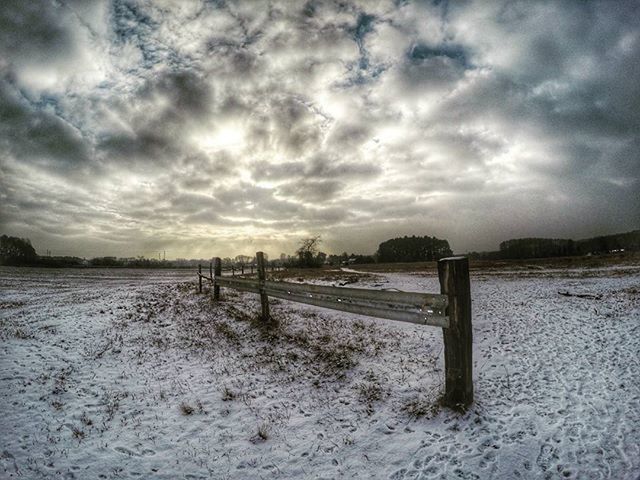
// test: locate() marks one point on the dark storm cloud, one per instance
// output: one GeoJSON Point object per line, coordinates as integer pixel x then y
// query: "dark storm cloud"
{"type": "Point", "coordinates": [32, 29]}
{"type": "Point", "coordinates": [130, 22]}
{"type": "Point", "coordinates": [145, 143]}
{"type": "Point", "coordinates": [186, 92]}
{"type": "Point", "coordinates": [311, 190]}
{"type": "Point", "coordinates": [198, 171]}
{"type": "Point", "coordinates": [200, 124]}
{"type": "Point", "coordinates": [290, 125]}
{"type": "Point", "coordinates": [29, 132]}
{"type": "Point", "coordinates": [418, 53]}
{"type": "Point", "coordinates": [242, 199]}
{"type": "Point", "coordinates": [432, 66]}
{"type": "Point", "coordinates": [349, 135]}
{"type": "Point", "coordinates": [193, 202]}
{"type": "Point", "coordinates": [319, 166]}
{"type": "Point", "coordinates": [578, 62]}
{"type": "Point", "coordinates": [159, 116]}
{"type": "Point", "coordinates": [204, 217]}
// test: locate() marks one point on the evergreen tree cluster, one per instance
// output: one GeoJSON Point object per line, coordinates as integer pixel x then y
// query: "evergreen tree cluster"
{"type": "Point", "coordinates": [413, 249]}
{"type": "Point", "coordinates": [16, 251]}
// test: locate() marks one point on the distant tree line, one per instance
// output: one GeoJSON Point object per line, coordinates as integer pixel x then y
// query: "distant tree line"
{"type": "Point", "coordinates": [610, 243]}
{"type": "Point", "coordinates": [138, 262]}
{"type": "Point", "coordinates": [402, 249]}
{"type": "Point", "coordinates": [537, 248]}
{"type": "Point", "coordinates": [20, 252]}
{"type": "Point", "coordinates": [350, 259]}
{"type": "Point", "coordinates": [16, 251]}
{"type": "Point", "coordinates": [554, 247]}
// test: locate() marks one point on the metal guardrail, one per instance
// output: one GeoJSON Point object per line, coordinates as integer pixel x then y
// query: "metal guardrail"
{"type": "Point", "coordinates": [412, 307]}
{"type": "Point", "coordinates": [451, 310]}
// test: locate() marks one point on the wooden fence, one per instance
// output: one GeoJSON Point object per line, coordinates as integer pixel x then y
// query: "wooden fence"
{"type": "Point", "coordinates": [450, 310]}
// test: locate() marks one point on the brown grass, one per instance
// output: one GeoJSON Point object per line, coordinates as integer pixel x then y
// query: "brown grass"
{"type": "Point", "coordinates": [422, 406]}
{"type": "Point", "coordinates": [325, 274]}
{"type": "Point", "coordinates": [186, 409]}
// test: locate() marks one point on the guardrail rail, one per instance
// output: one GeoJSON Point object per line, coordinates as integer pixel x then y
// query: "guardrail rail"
{"type": "Point", "coordinates": [450, 309]}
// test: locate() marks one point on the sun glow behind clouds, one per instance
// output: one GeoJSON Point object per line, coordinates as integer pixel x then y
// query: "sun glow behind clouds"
{"type": "Point", "coordinates": [230, 136]}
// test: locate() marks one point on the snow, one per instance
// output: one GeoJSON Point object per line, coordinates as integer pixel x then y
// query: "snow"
{"type": "Point", "coordinates": [132, 374]}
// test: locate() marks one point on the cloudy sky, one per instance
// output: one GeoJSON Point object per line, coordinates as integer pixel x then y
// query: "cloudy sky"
{"type": "Point", "coordinates": [204, 128]}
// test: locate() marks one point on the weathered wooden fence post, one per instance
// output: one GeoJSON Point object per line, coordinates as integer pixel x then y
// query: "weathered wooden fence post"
{"type": "Point", "coordinates": [262, 277]}
{"type": "Point", "coordinates": [453, 273]}
{"type": "Point", "coordinates": [242, 269]}
{"type": "Point", "coordinates": [211, 271]}
{"type": "Point", "coordinates": [251, 269]}
{"type": "Point", "coordinates": [199, 278]}
{"type": "Point", "coordinates": [218, 273]}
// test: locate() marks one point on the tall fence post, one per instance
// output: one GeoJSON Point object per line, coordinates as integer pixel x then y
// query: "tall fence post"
{"type": "Point", "coordinates": [199, 278]}
{"type": "Point", "coordinates": [242, 269]}
{"type": "Point", "coordinates": [218, 273]}
{"type": "Point", "coordinates": [211, 271]}
{"type": "Point", "coordinates": [262, 277]}
{"type": "Point", "coordinates": [453, 273]}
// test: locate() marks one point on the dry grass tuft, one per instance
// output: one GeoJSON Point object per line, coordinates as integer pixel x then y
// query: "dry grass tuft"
{"type": "Point", "coordinates": [228, 394]}
{"type": "Point", "coordinates": [336, 359]}
{"type": "Point", "coordinates": [262, 435]}
{"type": "Point", "coordinates": [227, 332]}
{"type": "Point", "coordinates": [186, 409]}
{"type": "Point", "coordinates": [10, 329]}
{"type": "Point", "coordinates": [77, 433]}
{"type": "Point", "coordinates": [426, 405]}
{"type": "Point", "coordinates": [22, 334]}
{"type": "Point", "coordinates": [86, 420]}
{"type": "Point", "coordinates": [112, 402]}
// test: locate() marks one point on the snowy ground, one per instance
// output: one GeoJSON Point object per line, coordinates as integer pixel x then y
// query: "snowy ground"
{"type": "Point", "coordinates": [131, 374]}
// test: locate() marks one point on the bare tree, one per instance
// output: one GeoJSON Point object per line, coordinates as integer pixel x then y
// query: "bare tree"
{"type": "Point", "coordinates": [308, 250]}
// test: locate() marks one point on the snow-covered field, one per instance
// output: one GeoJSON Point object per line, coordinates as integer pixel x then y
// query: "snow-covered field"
{"type": "Point", "coordinates": [131, 374]}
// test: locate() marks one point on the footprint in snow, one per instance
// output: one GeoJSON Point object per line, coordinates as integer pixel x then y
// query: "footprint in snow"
{"type": "Point", "coordinates": [547, 454]}
{"type": "Point", "coordinates": [131, 453]}
{"type": "Point", "coordinates": [398, 475]}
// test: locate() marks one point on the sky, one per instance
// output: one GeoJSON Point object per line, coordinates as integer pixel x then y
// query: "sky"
{"type": "Point", "coordinates": [217, 128]}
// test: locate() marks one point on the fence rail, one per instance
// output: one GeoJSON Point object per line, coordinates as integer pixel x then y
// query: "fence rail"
{"type": "Point", "coordinates": [450, 309]}
{"type": "Point", "coordinates": [421, 308]}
